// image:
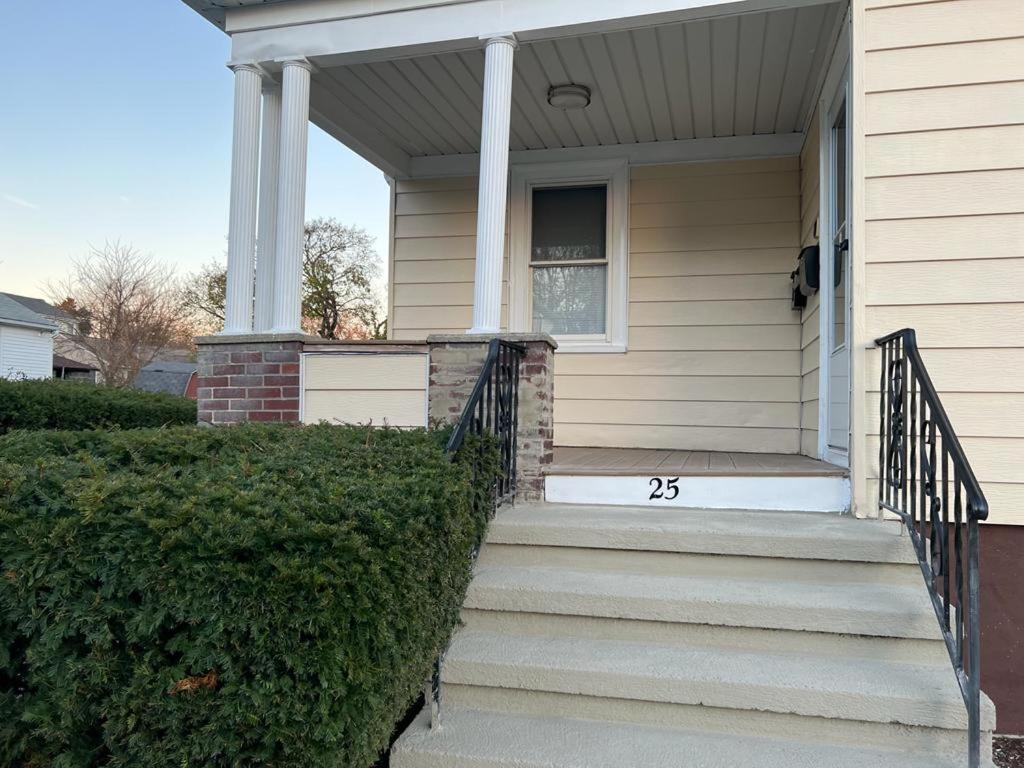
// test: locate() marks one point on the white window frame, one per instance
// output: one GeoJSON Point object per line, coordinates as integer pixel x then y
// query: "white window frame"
{"type": "Point", "coordinates": [524, 178]}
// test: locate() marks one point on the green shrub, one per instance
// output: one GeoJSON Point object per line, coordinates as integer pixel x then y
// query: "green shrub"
{"type": "Point", "coordinates": [253, 596]}
{"type": "Point", "coordinates": [57, 404]}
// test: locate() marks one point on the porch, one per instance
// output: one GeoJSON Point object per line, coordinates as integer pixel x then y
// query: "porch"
{"type": "Point", "coordinates": [676, 149]}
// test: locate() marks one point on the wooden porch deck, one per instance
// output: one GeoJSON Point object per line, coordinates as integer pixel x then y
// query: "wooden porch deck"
{"type": "Point", "coordinates": [650, 461]}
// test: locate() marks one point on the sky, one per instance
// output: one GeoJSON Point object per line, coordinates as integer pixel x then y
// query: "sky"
{"type": "Point", "coordinates": [115, 124]}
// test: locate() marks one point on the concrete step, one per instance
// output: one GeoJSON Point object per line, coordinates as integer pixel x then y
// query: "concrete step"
{"type": "Point", "coordinates": [792, 535]}
{"type": "Point", "coordinates": [697, 564]}
{"type": "Point", "coordinates": [753, 639]}
{"type": "Point", "coordinates": [474, 739]}
{"type": "Point", "coordinates": [878, 610]}
{"type": "Point", "coordinates": [860, 690]}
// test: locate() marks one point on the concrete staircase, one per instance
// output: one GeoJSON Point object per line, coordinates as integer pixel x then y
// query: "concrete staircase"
{"type": "Point", "coordinates": [617, 636]}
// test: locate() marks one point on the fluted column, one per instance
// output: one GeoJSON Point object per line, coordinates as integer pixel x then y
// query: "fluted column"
{"type": "Point", "coordinates": [266, 234]}
{"type": "Point", "coordinates": [493, 191]}
{"type": "Point", "coordinates": [291, 196]}
{"type": "Point", "coordinates": [242, 215]}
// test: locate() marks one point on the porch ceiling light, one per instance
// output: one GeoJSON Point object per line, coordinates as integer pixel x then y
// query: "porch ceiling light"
{"type": "Point", "coordinates": [569, 96]}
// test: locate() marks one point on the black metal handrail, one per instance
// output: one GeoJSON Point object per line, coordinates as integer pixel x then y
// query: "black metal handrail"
{"type": "Point", "coordinates": [493, 407]}
{"type": "Point", "coordinates": [924, 478]}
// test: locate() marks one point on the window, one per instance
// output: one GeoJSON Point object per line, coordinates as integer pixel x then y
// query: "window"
{"type": "Point", "coordinates": [569, 261]}
{"type": "Point", "coordinates": [568, 244]}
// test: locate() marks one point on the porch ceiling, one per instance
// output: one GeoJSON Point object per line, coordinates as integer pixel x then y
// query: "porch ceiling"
{"type": "Point", "coordinates": [741, 75]}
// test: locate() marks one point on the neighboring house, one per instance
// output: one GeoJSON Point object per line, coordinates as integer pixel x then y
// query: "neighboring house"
{"type": "Point", "coordinates": [66, 368]}
{"type": "Point", "coordinates": [65, 322]}
{"type": "Point", "coordinates": [26, 342]}
{"type": "Point", "coordinates": [637, 179]}
{"type": "Point", "coordinates": [171, 377]}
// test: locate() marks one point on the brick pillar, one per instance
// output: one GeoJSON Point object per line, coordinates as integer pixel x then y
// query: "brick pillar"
{"type": "Point", "coordinates": [455, 365]}
{"type": "Point", "coordinates": [249, 378]}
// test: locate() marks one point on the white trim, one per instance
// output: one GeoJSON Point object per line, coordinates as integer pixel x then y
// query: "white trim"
{"type": "Point", "coordinates": [647, 153]}
{"type": "Point", "coordinates": [283, 30]}
{"type": "Point", "coordinates": [793, 494]}
{"type": "Point", "coordinates": [836, 90]}
{"type": "Point", "coordinates": [302, 387]}
{"type": "Point", "coordinates": [523, 178]}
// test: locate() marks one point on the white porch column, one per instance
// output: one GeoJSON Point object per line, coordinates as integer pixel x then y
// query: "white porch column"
{"type": "Point", "coordinates": [291, 196]}
{"type": "Point", "coordinates": [493, 192]}
{"type": "Point", "coordinates": [270, 153]}
{"type": "Point", "coordinates": [242, 216]}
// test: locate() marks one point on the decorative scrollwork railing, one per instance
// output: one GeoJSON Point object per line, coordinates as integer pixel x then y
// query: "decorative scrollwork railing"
{"type": "Point", "coordinates": [925, 478]}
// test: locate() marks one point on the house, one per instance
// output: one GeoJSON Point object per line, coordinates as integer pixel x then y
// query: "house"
{"type": "Point", "coordinates": [169, 376]}
{"type": "Point", "coordinates": [66, 368]}
{"type": "Point", "coordinates": [66, 323]}
{"type": "Point", "coordinates": [636, 181]}
{"type": "Point", "coordinates": [26, 342]}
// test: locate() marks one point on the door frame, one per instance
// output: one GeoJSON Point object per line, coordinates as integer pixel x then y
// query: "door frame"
{"type": "Point", "coordinates": [837, 90]}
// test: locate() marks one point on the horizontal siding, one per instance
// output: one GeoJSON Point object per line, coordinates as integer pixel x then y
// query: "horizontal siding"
{"type": "Point", "coordinates": [25, 353]}
{"type": "Point", "coordinates": [377, 388]}
{"type": "Point", "coordinates": [714, 347]}
{"type": "Point", "coordinates": [944, 207]}
{"type": "Point", "coordinates": [434, 258]}
{"type": "Point", "coordinates": [810, 162]}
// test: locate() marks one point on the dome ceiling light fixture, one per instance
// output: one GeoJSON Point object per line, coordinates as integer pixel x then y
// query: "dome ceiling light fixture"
{"type": "Point", "coordinates": [569, 96]}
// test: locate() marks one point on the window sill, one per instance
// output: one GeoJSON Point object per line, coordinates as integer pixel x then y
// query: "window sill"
{"type": "Point", "coordinates": [577, 347]}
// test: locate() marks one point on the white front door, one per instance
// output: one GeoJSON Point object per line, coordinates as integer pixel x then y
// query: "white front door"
{"type": "Point", "coordinates": [836, 277]}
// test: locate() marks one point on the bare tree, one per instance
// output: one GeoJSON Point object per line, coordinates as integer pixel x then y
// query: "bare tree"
{"type": "Point", "coordinates": [131, 302]}
{"type": "Point", "coordinates": [339, 266]}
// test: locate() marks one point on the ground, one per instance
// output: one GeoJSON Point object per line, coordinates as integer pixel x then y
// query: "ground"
{"type": "Point", "coordinates": [1008, 752]}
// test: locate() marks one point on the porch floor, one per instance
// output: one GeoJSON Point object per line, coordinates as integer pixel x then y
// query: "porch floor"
{"type": "Point", "coordinates": [644, 461]}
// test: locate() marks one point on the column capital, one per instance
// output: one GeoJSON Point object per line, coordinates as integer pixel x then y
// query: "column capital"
{"type": "Point", "coordinates": [247, 66]}
{"type": "Point", "coordinates": [506, 37]}
{"type": "Point", "coordinates": [296, 61]}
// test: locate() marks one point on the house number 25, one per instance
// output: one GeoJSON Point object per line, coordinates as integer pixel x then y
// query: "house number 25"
{"type": "Point", "coordinates": [664, 488]}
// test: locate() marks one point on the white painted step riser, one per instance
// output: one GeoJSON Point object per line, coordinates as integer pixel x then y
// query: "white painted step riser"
{"type": "Point", "coordinates": [717, 532]}
{"type": "Point", "coordinates": [745, 609]}
{"type": "Point", "coordinates": [737, 722]}
{"type": "Point", "coordinates": [912, 651]}
{"type": "Point", "coordinates": [694, 564]}
{"type": "Point", "coordinates": [802, 494]}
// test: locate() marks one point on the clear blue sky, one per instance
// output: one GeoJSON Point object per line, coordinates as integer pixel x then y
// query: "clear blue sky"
{"type": "Point", "coordinates": [115, 122]}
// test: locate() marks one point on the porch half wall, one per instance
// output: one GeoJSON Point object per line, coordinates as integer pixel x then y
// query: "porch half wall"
{"type": "Point", "coordinates": [714, 360]}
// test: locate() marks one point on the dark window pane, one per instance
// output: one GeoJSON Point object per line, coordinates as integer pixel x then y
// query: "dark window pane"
{"type": "Point", "coordinates": [569, 223]}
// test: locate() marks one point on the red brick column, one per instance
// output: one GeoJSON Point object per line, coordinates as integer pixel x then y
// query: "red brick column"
{"type": "Point", "coordinates": [249, 378]}
{"type": "Point", "coordinates": [455, 365]}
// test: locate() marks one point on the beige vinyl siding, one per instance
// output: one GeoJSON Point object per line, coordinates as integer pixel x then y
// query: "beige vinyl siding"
{"type": "Point", "coordinates": [810, 319]}
{"type": "Point", "coordinates": [432, 269]}
{"type": "Point", "coordinates": [713, 358]}
{"type": "Point", "coordinates": [365, 387]}
{"type": "Point", "coordinates": [943, 230]}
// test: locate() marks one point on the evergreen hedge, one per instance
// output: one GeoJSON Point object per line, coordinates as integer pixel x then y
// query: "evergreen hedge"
{"type": "Point", "coordinates": [57, 404]}
{"type": "Point", "coordinates": [252, 596]}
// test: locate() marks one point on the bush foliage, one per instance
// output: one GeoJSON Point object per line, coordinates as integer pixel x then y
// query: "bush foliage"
{"type": "Point", "coordinates": [57, 404]}
{"type": "Point", "coordinates": [253, 596]}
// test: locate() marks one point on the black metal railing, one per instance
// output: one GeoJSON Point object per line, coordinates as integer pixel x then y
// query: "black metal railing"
{"type": "Point", "coordinates": [492, 408]}
{"type": "Point", "coordinates": [925, 479]}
